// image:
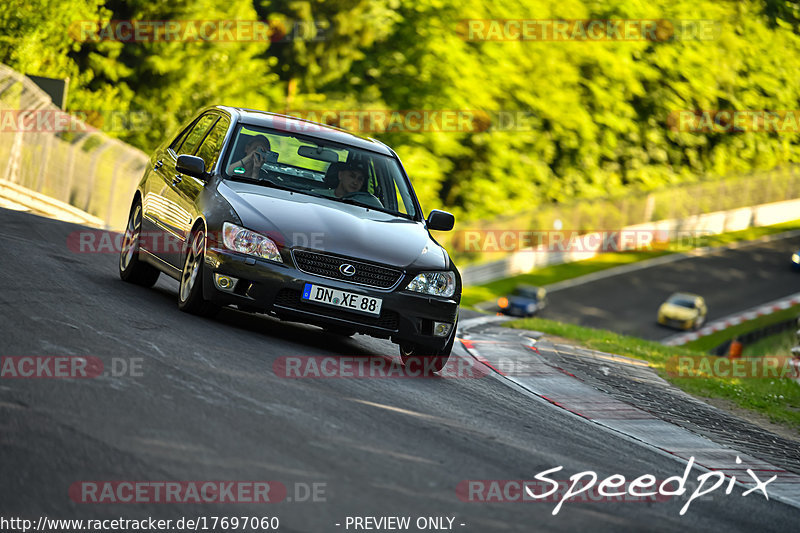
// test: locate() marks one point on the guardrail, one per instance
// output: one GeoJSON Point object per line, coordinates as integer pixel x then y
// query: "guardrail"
{"type": "Point", "coordinates": [47, 151]}
{"type": "Point", "coordinates": [589, 245]}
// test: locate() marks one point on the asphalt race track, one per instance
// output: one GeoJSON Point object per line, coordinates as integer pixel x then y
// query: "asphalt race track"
{"type": "Point", "coordinates": [205, 404]}
{"type": "Point", "coordinates": [730, 280]}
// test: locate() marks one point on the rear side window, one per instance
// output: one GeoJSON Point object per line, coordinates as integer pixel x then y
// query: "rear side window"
{"type": "Point", "coordinates": [212, 144]}
{"type": "Point", "coordinates": [196, 134]}
{"type": "Point", "coordinates": [176, 143]}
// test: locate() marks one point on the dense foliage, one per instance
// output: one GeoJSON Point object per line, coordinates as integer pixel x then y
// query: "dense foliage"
{"type": "Point", "coordinates": [597, 113]}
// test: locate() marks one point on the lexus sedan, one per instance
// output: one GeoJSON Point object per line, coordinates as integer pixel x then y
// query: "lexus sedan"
{"type": "Point", "coordinates": [683, 310]}
{"type": "Point", "coordinates": [302, 221]}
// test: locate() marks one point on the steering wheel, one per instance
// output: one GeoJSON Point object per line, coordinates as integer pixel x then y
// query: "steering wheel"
{"type": "Point", "coordinates": [269, 175]}
{"type": "Point", "coordinates": [365, 198]}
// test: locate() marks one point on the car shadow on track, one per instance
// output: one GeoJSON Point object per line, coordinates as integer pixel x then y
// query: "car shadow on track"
{"type": "Point", "coordinates": [261, 325]}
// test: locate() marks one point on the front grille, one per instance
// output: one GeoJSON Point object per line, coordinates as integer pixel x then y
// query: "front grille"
{"type": "Point", "coordinates": [674, 323]}
{"type": "Point", "coordinates": [290, 299]}
{"type": "Point", "coordinates": [328, 266]}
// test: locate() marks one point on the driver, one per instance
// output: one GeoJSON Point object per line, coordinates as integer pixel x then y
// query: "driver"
{"type": "Point", "coordinates": [256, 151]}
{"type": "Point", "coordinates": [351, 180]}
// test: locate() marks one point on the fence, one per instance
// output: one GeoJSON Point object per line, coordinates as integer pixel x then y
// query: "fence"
{"type": "Point", "coordinates": [753, 336]}
{"type": "Point", "coordinates": [66, 159]}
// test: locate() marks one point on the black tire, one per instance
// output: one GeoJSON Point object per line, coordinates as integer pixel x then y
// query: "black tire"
{"type": "Point", "coordinates": [131, 269]}
{"type": "Point", "coordinates": [428, 358]}
{"type": "Point", "coordinates": [190, 293]}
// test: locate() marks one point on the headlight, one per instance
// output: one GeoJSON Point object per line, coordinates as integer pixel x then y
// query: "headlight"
{"type": "Point", "coordinates": [435, 283]}
{"type": "Point", "coordinates": [795, 258]}
{"type": "Point", "coordinates": [249, 242]}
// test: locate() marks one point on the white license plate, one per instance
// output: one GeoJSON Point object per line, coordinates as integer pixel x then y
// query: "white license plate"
{"type": "Point", "coordinates": [341, 299]}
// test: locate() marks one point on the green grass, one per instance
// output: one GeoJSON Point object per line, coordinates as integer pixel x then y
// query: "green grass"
{"type": "Point", "coordinates": [774, 345]}
{"type": "Point", "coordinates": [474, 294]}
{"type": "Point", "coordinates": [606, 341]}
{"type": "Point", "coordinates": [777, 399]}
{"type": "Point", "coordinates": [750, 234]}
{"type": "Point", "coordinates": [709, 342]}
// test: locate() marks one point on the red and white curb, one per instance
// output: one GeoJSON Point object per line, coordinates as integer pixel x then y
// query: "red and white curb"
{"type": "Point", "coordinates": [734, 320]}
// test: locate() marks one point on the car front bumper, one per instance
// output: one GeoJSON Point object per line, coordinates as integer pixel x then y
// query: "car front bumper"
{"type": "Point", "coordinates": [676, 323]}
{"type": "Point", "coordinates": [276, 288]}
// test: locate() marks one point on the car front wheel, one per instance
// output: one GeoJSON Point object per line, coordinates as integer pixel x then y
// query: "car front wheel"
{"type": "Point", "coordinates": [428, 359]}
{"type": "Point", "coordinates": [131, 269]}
{"type": "Point", "coordinates": [190, 294]}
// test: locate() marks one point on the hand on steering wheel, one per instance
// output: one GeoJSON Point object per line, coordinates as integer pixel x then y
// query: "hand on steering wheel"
{"type": "Point", "coordinates": [364, 197]}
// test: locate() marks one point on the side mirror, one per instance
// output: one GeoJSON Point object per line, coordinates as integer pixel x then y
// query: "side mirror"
{"type": "Point", "coordinates": [440, 220]}
{"type": "Point", "coordinates": [191, 165]}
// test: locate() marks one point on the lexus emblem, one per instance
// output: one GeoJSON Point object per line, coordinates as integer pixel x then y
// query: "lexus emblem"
{"type": "Point", "coordinates": [347, 269]}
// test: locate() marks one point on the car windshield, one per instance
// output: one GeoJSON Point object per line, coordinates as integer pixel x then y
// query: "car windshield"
{"type": "Point", "coordinates": [315, 167]}
{"type": "Point", "coordinates": [682, 301]}
{"type": "Point", "coordinates": [526, 293]}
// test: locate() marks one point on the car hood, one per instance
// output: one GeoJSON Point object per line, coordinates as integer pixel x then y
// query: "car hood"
{"type": "Point", "coordinates": [677, 312]}
{"type": "Point", "coordinates": [304, 221]}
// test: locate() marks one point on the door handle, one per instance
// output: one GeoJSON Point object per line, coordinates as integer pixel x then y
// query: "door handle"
{"type": "Point", "coordinates": [158, 164]}
{"type": "Point", "coordinates": [177, 179]}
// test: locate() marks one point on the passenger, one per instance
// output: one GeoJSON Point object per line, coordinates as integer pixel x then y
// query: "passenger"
{"type": "Point", "coordinates": [256, 151]}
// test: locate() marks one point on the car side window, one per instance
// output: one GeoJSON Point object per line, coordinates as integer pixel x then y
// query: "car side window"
{"type": "Point", "coordinates": [391, 195]}
{"type": "Point", "coordinates": [212, 144]}
{"type": "Point", "coordinates": [176, 143]}
{"type": "Point", "coordinates": [196, 134]}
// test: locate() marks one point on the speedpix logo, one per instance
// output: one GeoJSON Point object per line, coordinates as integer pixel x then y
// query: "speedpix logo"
{"type": "Point", "coordinates": [588, 487]}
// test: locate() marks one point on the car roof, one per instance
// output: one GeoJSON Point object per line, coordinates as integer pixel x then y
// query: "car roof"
{"type": "Point", "coordinates": [687, 295]}
{"type": "Point", "coordinates": [308, 128]}
{"type": "Point", "coordinates": [526, 290]}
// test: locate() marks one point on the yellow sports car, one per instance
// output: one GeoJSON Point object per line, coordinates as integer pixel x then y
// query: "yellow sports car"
{"type": "Point", "coordinates": [683, 310]}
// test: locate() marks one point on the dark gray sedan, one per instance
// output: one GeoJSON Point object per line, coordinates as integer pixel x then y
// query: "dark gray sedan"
{"type": "Point", "coordinates": [309, 223]}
